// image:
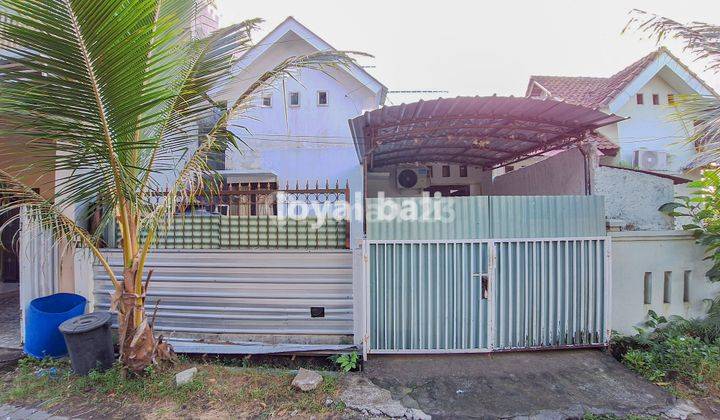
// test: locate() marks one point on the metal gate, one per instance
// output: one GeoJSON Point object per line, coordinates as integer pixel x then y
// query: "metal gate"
{"type": "Point", "coordinates": [449, 296]}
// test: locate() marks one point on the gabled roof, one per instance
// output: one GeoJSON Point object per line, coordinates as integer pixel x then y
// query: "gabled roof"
{"type": "Point", "coordinates": [290, 24]}
{"type": "Point", "coordinates": [598, 92]}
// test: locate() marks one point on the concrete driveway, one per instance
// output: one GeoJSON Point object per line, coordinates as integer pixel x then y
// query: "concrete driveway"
{"type": "Point", "coordinates": [552, 384]}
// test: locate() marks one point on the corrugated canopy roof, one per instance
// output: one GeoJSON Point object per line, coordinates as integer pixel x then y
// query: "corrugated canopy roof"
{"type": "Point", "coordinates": [484, 131]}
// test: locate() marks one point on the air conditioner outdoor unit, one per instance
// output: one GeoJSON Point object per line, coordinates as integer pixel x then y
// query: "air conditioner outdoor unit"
{"type": "Point", "coordinates": [413, 178]}
{"type": "Point", "coordinates": [652, 160]}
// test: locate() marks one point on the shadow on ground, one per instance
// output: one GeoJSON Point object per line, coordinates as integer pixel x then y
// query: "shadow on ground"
{"type": "Point", "coordinates": [557, 384]}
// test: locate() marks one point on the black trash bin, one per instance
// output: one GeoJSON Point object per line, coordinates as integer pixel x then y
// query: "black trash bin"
{"type": "Point", "coordinates": [89, 342]}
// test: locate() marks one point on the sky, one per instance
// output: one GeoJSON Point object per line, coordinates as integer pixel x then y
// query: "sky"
{"type": "Point", "coordinates": [480, 47]}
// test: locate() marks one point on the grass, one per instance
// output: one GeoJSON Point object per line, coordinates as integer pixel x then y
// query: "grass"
{"type": "Point", "coordinates": [224, 391]}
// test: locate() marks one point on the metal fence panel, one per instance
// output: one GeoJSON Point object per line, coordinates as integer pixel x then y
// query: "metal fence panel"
{"type": "Point", "coordinates": [470, 218]}
{"type": "Point", "coordinates": [550, 293]}
{"type": "Point", "coordinates": [547, 216]}
{"type": "Point", "coordinates": [483, 295]}
{"type": "Point", "coordinates": [487, 217]}
{"type": "Point", "coordinates": [428, 296]}
{"type": "Point", "coordinates": [245, 292]}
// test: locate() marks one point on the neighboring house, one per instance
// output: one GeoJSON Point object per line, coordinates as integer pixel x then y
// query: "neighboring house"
{"type": "Point", "coordinates": [650, 138]}
{"type": "Point", "coordinates": [296, 131]}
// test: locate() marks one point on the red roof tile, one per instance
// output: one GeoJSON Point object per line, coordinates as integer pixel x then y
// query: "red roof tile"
{"type": "Point", "coordinates": [593, 92]}
{"type": "Point", "coordinates": [604, 144]}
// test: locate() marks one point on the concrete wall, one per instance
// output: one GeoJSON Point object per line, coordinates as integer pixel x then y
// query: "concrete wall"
{"type": "Point", "coordinates": [674, 252]}
{"type": "Point", "coordinates": [561, 174]}
{"type": "Point", "coordinates": [634, 197]}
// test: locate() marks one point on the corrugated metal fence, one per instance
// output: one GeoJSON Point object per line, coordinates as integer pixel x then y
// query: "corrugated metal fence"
{"type": "Point", "coordinates": [486, 217]}
{"type": "Point", "coordinates": [247, 293]}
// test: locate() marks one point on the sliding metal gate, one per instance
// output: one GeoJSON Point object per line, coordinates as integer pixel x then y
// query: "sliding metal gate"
{"type": "Point", "coordinates": [466, 296]}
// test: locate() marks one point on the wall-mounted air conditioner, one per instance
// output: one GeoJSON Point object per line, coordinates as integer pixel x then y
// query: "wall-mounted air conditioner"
{"type": "Point", "coordinates": [413, 178]}
{"type": "Point", "coordinates": [650, 160]}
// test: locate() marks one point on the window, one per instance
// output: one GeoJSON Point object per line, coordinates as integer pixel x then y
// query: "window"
{"type": "Point", "coordinates": [656, 99]}
{"type": "Point", "coordinates": [266, 101]}
{"type": "Point", "coordinates": [463, 171]}
{"type": "Point", "coordinates": [667, 287]}
{"type": "Point", "coordinates": [671, 99]}
{"type": "Point", "coordinates": [446, 171]}
{"type": "Point", "coordinates": [647, 289]}
{"type": "Point", "coordinates": [639, 99]}
{"type": "Point", "coordinates": [430, 170]}
{"type": "Point", "coordinates": [322, 98]}
{"type": "Point", "coordinates": [294, 98]}
{"type": "Point", "coordinates": [686, 286]}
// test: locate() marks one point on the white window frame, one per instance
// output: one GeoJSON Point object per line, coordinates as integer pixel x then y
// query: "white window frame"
{"type": "Point", "coordinates": [327, 98]}
{"type": "Point", "coordinates": [290, 104]}
{"type": "Point", "coordinates": [262, 100]}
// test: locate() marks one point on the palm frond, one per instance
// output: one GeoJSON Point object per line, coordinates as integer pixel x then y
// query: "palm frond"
{"type": "Point", "coordinates": [44, 214]}
{"type": "Point", "coordinates": [700, 38]}
{"type": "Point", "coordinates": [701, 115]}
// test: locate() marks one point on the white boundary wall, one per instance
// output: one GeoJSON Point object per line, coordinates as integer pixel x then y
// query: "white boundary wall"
{"type": "Point", "coordinates": [636, 253]}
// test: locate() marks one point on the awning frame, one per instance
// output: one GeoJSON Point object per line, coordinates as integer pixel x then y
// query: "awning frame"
{"type": "Point", "coordinates": [489, 132]}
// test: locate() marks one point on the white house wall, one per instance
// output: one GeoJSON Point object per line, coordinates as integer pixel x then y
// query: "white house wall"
{"type": "Point", "coordinates": [652, 127]}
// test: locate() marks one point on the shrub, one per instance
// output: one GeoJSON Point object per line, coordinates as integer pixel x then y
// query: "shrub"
{"type": "Point", "coordinates": [675, 349]}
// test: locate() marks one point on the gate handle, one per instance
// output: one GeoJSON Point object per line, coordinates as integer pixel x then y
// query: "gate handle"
{"type": "Point", "coordinates": [484, 282]}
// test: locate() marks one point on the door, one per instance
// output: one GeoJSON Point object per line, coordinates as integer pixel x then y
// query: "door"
{"type": "Point", "coordinates": [428, 296]}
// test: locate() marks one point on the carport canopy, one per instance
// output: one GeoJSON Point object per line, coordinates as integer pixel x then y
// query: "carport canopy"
{"type": "Point", "coordinates": [487, 132]}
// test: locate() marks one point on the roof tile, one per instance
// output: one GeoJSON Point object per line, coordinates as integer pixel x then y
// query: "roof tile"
{"type": "Point", "coordinates": [593, 92]}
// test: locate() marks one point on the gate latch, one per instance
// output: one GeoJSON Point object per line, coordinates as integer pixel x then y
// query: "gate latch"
{"type": "Point", "coordinates": [484, 281]}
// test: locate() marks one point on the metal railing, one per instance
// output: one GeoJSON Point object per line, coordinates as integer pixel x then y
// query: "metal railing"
{"type": "Point", "coordinates": [255, 215]}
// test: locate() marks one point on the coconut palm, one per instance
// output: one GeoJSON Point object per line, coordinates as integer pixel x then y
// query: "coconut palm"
{"type": "Point", "coordinates": [108, 94]}
{"type": "Point", "coordinates": [703, 41]}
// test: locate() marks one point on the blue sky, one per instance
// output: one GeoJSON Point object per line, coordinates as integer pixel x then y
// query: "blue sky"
{"type": "Point", "coordinates": [480, 47]}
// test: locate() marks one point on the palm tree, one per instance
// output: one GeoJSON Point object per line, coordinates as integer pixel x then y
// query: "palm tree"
{"type": "Point", "coordinates": [108, 94]}
{"type": "Point", "coordinates": [703, 41]}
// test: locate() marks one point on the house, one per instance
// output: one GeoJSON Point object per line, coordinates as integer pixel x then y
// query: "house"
{"type": "Point", "coordinates": [650, 138]}
{"type": "Point", "coordinates": [499, 260]}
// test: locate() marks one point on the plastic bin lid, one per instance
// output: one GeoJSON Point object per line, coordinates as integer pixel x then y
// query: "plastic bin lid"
{"type": "Point", "coordinates": [84, 323]}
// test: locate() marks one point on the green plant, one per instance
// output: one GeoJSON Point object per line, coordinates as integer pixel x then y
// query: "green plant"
{"type": "Point", "coordinates": [672, 349]}
{"type": "Point", "coordinates": [347, 361]}
{"type": "Point", "coordinates": [107, 96]}
{"type": "Point", "coordinates": [703, 210]}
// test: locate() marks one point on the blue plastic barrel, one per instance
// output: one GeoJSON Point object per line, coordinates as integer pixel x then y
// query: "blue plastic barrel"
{"type": "Point", "coordinates": [44, 315]}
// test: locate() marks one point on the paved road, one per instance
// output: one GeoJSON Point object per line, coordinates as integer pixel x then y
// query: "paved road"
{"type": "Point", "coordinates": [555, 385]}
{"type": "Point", "coordinates": [11, 412]}
{"type": "Point", "coordinates": [10, 320]}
